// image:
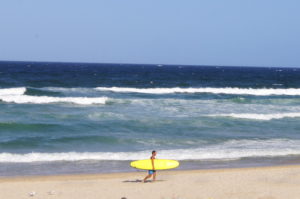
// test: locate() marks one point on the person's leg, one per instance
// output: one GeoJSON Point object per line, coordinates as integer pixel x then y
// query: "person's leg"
{"type": "Point", "coordinates": [148, 176]}
{"type": "Point", "coordinates": [154, 176]}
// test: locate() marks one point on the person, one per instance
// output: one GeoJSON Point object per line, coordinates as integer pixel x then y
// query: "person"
{"type": "Point", "coordinates": [153, 171]}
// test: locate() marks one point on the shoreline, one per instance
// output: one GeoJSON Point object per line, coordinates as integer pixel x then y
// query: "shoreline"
{"type": "Point", "coordinates": [43, 169]}
{"type": "Point", "coordinates": [142, 172]}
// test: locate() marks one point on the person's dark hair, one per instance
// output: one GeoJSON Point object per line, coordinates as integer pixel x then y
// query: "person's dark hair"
{"type": "Point", "coordinates": [153, 152]}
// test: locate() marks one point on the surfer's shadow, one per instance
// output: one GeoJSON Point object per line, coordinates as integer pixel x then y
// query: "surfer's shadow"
{"type": "Point", "coordinates": [140, 181]}
{"type": "Point", "coordinates": [132, 181]}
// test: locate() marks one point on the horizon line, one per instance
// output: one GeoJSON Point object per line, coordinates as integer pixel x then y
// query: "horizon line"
{"type": "Point", "coordinates": [152, 64]}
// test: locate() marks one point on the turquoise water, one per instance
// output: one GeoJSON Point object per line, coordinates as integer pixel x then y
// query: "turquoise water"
{"type": "Point", "coordinates": [81, 118]}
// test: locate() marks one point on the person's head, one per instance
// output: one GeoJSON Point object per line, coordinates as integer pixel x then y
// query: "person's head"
{"type": "Point", "coordinates": [154, 153]}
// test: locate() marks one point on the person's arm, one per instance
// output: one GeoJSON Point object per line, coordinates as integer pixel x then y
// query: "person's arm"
{"type": "Point", "coordinates": [152, 160]}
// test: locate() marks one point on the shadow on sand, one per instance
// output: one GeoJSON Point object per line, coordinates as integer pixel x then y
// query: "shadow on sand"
{"type": "Point", "coordinates": [140, 181]}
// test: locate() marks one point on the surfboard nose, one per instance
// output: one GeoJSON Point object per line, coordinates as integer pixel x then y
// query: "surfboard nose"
{"type": "Point", "coordinates": [132, 164]}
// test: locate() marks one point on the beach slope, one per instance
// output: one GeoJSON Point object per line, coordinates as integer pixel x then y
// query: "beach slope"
{"type": "Point", "coordinates": [278, 182]}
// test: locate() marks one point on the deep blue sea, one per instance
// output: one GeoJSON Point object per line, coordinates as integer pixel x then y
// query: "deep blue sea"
{"type": "Point", "coordinates": [59, 118]}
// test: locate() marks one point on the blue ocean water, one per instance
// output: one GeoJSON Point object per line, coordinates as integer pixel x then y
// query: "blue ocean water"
{"type": "Point", "coordinates": [83, 118]}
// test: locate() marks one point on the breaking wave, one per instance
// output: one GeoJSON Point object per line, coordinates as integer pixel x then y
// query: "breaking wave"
{"type": "Point", "coordinates": [26, 99]}
{"type": "Point", "coordinates": [228, 90]}
{"type": "Point", "coordinates": [12, 91]}
{"type": "Point", "coordinates": [17, 95]}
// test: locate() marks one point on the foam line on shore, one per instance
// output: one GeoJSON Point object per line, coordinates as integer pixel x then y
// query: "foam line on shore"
{"type": "Point", "coordinates": [233, 149]}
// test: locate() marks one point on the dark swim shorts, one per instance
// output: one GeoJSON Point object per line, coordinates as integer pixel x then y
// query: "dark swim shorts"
{"type": "Point", "coordinates": [151, 171]}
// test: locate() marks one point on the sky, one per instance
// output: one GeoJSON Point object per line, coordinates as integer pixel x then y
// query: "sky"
{"type": "Point", "coordinates": [192, 32]}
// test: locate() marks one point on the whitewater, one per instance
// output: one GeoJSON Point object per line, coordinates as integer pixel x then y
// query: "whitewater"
{"type": "Point", "coordinates": [17, 95]}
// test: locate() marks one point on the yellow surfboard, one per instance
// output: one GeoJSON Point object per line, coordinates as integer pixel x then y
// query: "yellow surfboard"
{"type": "Point", "coordinates": [159, 164]}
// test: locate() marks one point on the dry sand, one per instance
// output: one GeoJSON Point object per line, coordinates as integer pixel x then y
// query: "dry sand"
{"type": "Point", "coordinates": [278, 182]}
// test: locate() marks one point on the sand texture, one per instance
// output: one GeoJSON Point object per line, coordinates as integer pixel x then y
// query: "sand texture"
{"type": "Point", "coordinates": [278, 182]}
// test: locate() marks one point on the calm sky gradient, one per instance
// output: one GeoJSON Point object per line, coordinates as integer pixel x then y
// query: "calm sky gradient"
{"type": "Point", "coordinates": [211, 32]}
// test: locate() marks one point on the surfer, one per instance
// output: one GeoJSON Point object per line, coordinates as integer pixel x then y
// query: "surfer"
{"type": "Point", "coordinates": [153, 171]}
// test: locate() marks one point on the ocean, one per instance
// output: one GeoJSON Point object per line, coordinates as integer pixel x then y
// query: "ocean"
{"type": "Point", "coordinates": [65, 118]}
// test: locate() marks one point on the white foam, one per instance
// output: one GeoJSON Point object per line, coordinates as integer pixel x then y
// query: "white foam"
{"type": "Point", "coordinates": [13, 91]}
{"type": "Point", "coordinates": [234, 149]}
{"type": "Point", "coordinates": [226, 90]}
{"type": "Point", "coordinates": [254, 116]}
{"type": "Point", "coordinates": [67, 90]}
{"type": "Point", "coordinates": [27, 99]}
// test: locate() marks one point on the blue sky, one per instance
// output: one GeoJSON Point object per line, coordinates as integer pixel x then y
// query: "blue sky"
{"type": "Point", "coordinates": [211, 32]}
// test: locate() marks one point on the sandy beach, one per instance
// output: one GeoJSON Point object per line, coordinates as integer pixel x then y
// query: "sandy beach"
{"type": "Point", "coordinates": [277, 182]}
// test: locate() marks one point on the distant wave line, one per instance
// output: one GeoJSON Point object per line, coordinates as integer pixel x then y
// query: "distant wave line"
{"type": "Point", "coordinates": [225, 90]}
